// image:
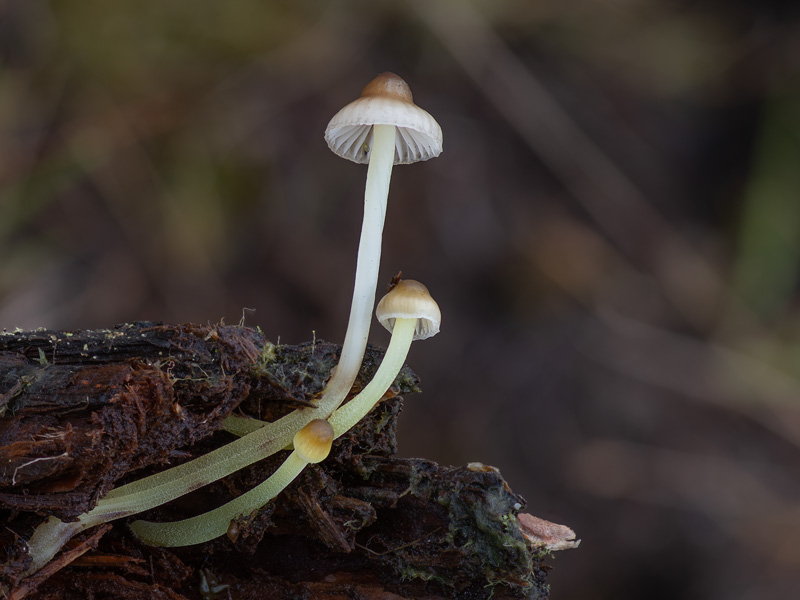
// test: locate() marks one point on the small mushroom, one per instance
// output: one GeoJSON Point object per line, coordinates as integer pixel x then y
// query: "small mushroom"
{"type": "Point", "coordinates": [410, 313]}
{"type": "Point", "coordinates": [312, 444]}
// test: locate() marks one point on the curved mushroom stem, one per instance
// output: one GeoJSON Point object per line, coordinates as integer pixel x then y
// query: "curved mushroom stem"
{"type": "Point", "coordinates": [345, 417]}
{"type": "Point", "coordinates": [215, 523]}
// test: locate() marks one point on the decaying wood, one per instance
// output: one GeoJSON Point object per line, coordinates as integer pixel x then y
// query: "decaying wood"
{"type": "Point", "coordinates": [81, 412]}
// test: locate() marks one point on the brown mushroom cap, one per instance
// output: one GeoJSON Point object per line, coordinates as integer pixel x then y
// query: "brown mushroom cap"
{"type": "Point", "coordinates": [313, 442]}
{"type": "Point", "coordinates": [410, 299]}
{"type": "Point", "coordinates": [386, 100]}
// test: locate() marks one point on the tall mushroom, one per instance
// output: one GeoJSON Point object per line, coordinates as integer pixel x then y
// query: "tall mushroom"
{"type": "Point", "coordinates": [383, 127]}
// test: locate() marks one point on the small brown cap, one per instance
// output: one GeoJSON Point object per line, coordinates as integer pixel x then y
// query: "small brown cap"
{"type": "Point", "coordinates": [386, 100]}
{"type": "Point", "coordinates": [410, 299]}
{"type": "Point", "coordinates": [313, 442]}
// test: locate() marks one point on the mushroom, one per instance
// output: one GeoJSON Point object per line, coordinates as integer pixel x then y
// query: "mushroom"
{"type": "Point", "coordinates": [312, 444]}
{"type": "Point", "coordinates": [382, 127]}
{"type": "Point", "coordinates": [410, 313]}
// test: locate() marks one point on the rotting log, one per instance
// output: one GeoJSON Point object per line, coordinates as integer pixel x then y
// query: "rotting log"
{"type": "Point", "coordinates": [83, 411]}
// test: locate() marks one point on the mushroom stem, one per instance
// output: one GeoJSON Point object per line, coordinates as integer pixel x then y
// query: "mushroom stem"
{"type": "Point", "coordinates": [351, 413]}
{"type": "Point", "coordinates": [264, 440]}
{"type": "Point", "coordinates": [376, 194]}
{"type": "Point", "coordinates": [379, 173]}
{"type": "Point", "coordinates": [214, 523]}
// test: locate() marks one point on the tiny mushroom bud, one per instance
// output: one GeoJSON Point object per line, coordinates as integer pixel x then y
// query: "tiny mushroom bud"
{"type": "Point", "coordinates": [313, 442]}
{"type": "Point", "coordinates": [410, 313]}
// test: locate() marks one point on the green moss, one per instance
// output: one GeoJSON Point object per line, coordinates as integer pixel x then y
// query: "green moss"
{"type": "Point", "coordinates": [267, 355]}
{"type": "Point", "coordinates": [409, 573]}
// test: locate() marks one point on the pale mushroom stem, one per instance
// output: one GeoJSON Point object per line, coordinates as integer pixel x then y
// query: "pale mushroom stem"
{"type": "Point", "coordinates": [215, 523]}
{"type": "Point", "coordinates": [345, 417]}
{"type": "Point", "coordinates": [376, 194]}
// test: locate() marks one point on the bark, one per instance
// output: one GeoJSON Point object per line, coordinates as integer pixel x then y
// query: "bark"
{"type": "Point", "coordinates": [81, 412]}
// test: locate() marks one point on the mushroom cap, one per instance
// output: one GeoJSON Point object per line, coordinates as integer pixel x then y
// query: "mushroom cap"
{"type": "Point", "coordinates": [410, 299]}
{"type": "Point", "coordinates": [386, 100]}
{"type": "Point", "coordinates": [313, 442]}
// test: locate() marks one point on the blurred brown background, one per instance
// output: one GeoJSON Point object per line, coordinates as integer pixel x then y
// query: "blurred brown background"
{"type": "Point", "coordinates": [612, 232]}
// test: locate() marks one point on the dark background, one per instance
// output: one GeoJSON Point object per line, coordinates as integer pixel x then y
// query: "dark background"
{"type": "Point", "coordinates": [612, 233]}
